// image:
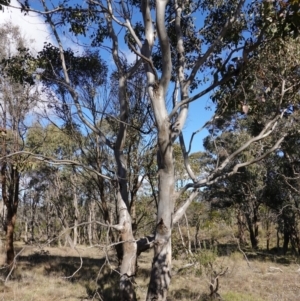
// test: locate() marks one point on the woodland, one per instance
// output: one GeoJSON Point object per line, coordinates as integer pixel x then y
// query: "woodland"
{"type": "Point", "coordinates": [93, 147]}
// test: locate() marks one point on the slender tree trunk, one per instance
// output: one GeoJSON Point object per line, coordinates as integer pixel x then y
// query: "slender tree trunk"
{"type": "Point", "coordinates": [96, 234]}
{"type": "Point", "coordinates": [286, 238]}
{"type": "Point", "coordinates": [252, 230]}
{"type": "Point", "coordinates": [76, 217]}
{"type": "Point", "coordinates": [26, 231]}
{"type": "Point", "coordinates": [89, 230]}
{"type": "Point", "coordinates": [241, 228]}
{"type": "Point", "coordinates": [268, 234]}
{"type": "Point", "coordinates": [33, 214]}
{"type": "Point", "coordinates": [48, 221]}
{"type": "Point", "coordinates": [197, 242]}
{"type": "Point", "coordinates": [188, 235]}
{"type": "Point", "coordinates": [12, 206]}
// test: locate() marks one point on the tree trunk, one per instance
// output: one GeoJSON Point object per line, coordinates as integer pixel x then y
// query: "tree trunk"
{"type": "Point", "coordinates": [12, 206]}
{"type": "Point", "coordinates": [241, 228]}
{"type": "Point", "coordinates": [277, 239]}
{"type": "Point", "coordinates": [33, 213]}
{"type": "Point", "coordinates": [253, 231]}
{"type": "Point", "coordinates": [89, 230]}
{"type": "Point", "coordinates": [76, 217]}
{"type": "Point", "coordinates": [286, 238]}
{"type": "Point", "coordinates": [197, 242]}
{"type": "Point", "coordinates": [268, 234]}
{"type": "Point", "coordinates": [295, 241]}
{"type": "Point", "coordinates": [26, 231]}
{"type": "Point", "coordinates": [161, 267]}
{"type": "Point", "coordinates": [95, 234]}
{"type": "Point", "coordinates": [129, 258]}
{"type": "Point", "coordinates": [10, 222]}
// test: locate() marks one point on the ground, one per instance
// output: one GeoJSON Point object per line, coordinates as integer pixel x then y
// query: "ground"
{"type": "Point", "coordinates": [61, 273]}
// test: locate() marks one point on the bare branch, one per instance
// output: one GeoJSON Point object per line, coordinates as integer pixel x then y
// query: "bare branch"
{"type": "Point", "coordinates": [149, 40]}
{"type": "Point", "coordinates": [181, 117]}
{"type": "Point", "coordinates": [164, 44]}
{"type": "Point", "coordinates": [200, 94]}
{"type": "Point", "coordinates": [54, 161]}
{"type": "Point", "coordinates": [148, 60]}
{"type": "Point", "coordinates": [186, 159]}
{"type": "Point", "coordinates": [180, 212]}
{"type": "Point", "coordinates": [263, 134]}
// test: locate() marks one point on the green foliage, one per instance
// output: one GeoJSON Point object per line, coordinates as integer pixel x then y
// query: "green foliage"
{"type": "Point", "coordinates": [51, 141]}
{"type": "Point", "coordinates": [86, 70]}
{"type": "Point", "coordinates": [19, 67]}
{"type": "Point", "coordinates": [207, 257]}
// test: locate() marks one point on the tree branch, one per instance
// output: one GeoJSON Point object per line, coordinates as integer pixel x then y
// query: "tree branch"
{"type": "Point", "coordinates": [217, 41]}
{"type": "Point", "coordinates": [54, 161]}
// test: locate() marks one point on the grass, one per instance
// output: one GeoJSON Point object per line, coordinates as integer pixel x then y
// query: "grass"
{"type": "Point", "coordinates": [41, 276]}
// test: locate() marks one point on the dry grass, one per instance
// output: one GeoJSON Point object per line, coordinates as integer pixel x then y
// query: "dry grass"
{"type": "Point", "coordinates": [39, 277]}
{"type": "Point", "coordinates": [264, 280]}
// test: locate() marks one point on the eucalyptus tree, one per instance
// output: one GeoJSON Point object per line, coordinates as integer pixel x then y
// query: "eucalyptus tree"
{"type": "Point", "coordinates": [266, 95]}
{"type": "Point", "coordinates": [17, 98]}
{"type": "Point", "coordinates": [243, 191]}
{"type": "Point", "coordinates": [281, 193]}
{"type": "Point", "coordinates": [179, 54]}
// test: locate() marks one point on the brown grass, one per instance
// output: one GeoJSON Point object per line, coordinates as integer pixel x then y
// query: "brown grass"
{"type": "Point", "coordinates": [39, 276]}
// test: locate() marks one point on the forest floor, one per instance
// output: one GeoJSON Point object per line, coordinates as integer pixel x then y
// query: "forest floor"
{"type": "Point", "coordinates": [54, 274]}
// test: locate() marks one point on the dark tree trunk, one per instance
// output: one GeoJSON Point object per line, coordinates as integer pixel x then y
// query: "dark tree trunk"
{"type": "Point", "coordinates": [295, 241]}
{"type": "Point", "coordinates": [286, 238]}
{"type": "Point", "coordinates": [12, 201]}
{"type": "Point", "coordinates": [268, 234]}
{"type": "Point", "coordinates": [241, 227]}
{"type": "Point", "coordinates": [253, 239]}
{"type": "Point", "coordinates": [253, 231]}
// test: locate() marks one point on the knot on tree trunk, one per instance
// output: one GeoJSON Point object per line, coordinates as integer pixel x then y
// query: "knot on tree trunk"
{"type": "Point", "coordinates": [161, 228]}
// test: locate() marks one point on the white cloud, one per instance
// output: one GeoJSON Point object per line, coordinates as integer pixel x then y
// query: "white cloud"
{"type": "Point", "coordinates": [32, 26]}
{"type": "Point", "coordinates": [45, 101]}
{"type": "Point", "coordinates": [34, 29]}
{"type": "Point", "coordinates": [130, 56]}
{"type": "Point", "coordinates": [35, 32]}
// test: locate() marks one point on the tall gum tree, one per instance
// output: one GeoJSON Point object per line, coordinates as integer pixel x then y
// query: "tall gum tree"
{"type": "Point", "coordinates": [176, 53]}
{"type": "Point", "coordinates": [17, 98]}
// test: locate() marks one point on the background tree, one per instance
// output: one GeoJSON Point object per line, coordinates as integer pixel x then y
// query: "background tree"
{"type": "Point", "coordinates": [17, 99]}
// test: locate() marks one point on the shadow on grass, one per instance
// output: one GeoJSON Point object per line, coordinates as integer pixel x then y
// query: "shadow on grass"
{"type": "Point", "coordinates": [183, 294]}
{"type": "Point", "coordinates": [273, 255]}
{"type": "Point", "coordinates": [99, 280]}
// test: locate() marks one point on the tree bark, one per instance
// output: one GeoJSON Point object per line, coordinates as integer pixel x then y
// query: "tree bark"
{"type": "Point", "coordinates": [161, 267]}
{"type": "Point", "coordinates": [252, 231]}
{"type": "Point", "coordinates": [286, 238]}
{"type": "Point", "coordinates": [89, 230]}
{"type": "Point", "coordinates": [76, 214]}
{"type": "Point", "coordinates": [12, 201]}
{"type": "Point", "coordinates": [241, 228]}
